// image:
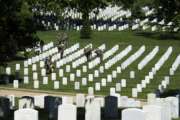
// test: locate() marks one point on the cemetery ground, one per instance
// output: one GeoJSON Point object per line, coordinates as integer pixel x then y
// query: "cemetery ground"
{"type": "Point", "coordinates": [123, 39]}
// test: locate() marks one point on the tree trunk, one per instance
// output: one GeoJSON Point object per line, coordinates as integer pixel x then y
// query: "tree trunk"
{"type": "Point", "coordinates": [86, 28]}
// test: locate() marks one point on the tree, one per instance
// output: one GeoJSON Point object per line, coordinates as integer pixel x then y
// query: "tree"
{"type": "Point", "coordinates": [168, 10]}
{"type": "Point", "coordinates": [85, 7]}
{"type": "Point", "coordinates": [17, 29]}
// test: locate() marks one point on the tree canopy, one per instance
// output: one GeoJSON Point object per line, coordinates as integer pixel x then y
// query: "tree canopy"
{"type": "Point", "coordinates": [17, 29]}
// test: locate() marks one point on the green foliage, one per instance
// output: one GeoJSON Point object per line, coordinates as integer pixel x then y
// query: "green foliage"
{"type": "Point", "coordinates": [85, 7]}
{"type": "Point", "coordinates": [169, 10]}
{"type": "Point", "coordinates": [17, 29]}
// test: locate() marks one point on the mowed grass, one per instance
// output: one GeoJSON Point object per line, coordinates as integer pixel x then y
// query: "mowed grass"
{"type": "Point", "coordinates": [123, 39]}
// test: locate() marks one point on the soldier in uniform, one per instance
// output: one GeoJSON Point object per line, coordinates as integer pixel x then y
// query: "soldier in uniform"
{"type": "Point", "coordinates": [88, 52]}
{"type": "Point", "coordinates": [62, 38]}
{"type": "Point", "coordinates": [61, 48]}
{"type": "Point", "coordinates": [99, 53]}
{"type": "Point", "coordinates": [48, 65]}
{"type": "Point", "coordinates": [62, 42]}
{"type": "Point", "coordinates": [41, 45]}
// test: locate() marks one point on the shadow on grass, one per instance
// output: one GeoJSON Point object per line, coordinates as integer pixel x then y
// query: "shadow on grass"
{"type": "Point", "coordinates": [5, 60]}
{"type": "Point", "coordinates": [8, 79]}
{"type": "Point", "coordinates": [159, 35]}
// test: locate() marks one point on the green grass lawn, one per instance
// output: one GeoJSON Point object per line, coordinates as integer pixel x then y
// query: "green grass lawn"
{"type": "Point", "coordinates": [123, 39]}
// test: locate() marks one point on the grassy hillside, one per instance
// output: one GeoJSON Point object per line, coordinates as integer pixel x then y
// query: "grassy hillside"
{"type": "Point", "coordinates": [125, 38]}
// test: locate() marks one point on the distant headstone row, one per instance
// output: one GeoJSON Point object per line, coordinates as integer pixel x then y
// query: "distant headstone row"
{"type": "Point", "coordinates": [112, 18]}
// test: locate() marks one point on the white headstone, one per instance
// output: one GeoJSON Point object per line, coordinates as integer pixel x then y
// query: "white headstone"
{"type": "Point", "coordinates": [67, 100]}
{"type": "Point", "coordinates": [78, 73]}
{"type": "Point", "coordinates": [143, 84]}
{"type": "Point", "coordinates": [114, 74]}
{"type": "Point", "coordinates": [101, 99]}
{"type": "Point", "coordinates": [77, 85]}
{"type": "Point", "coordinates": [16, 84]}
{"type": "Point", "coordinates": [133, 114]}
{"type": "Point", "coordinates": [98, 86]}
{"type": "Point", "coordinates": [35, 76]}
{"type": "Point", "coordinates": [174, 103]}
{"type": "Point", "coordinates": [43, 72]}
{"type": "Point", "coordinates": [123, 83]}
{"type": "Point", "coordinates": [96, 73]}
{"type": "Point", "coordinates": [42, 64]}
{"type": "Point", "coordinates": [109, 78]}
{"type": "Point", "coordinates": [25, 63]}
{"type": "Point", "coordinates": [124, 101]}
{"type": "Point", "coordinates": [45, 80]}
{"type": "Point", "coordinates": [68, 68]}
{"type": "Point", "coordinates": [147, 79]}
{"type": "Point", "coordinates": [25, 71]}
{"type": "Point", "coordinates": [26, 80]}
{"type": "Point", "coordinates": [84, 68]}
{"type": "Point", "coordinates": [84, 81]}
{"type": "Point", "coordinates": [166, 108]}
{"type": "Point", "coordinates": [29, 62]}
{"type": "Point", "coordinates": [118, 69]}
{"type": "Point", "coordinates": [80, 100]}
{"type": "Point", "coordinates": [134, 92]}
{"type": "Point", "coordinates": [132, 74]}
{"type": "Point", "coordinates": [93, 110]}
{"type": "Point", "coordinates": [139, 88]}
{"type": "Point", "coordinates": [26, 114]}
{"type": "Point", "coordinates": [72, 77]}
{"type": "Point", "coordinates": [18, 67]}
{"type": "Point", "coordinates": [90, 91]}
{"type": "Point", "coordinates": [8, 71]}
{"type": "Point", "coordinates": [167, 79]}
{"type": "Point", "coordinates": [112, 91]}
{"type": "Point", "coordinates": [53, 76]}
{"type": "Point", "coordinates": [118, 87]}
{"type": "Point", "coordinates": [36, 84]}
{"type": "Point", "coordinates": [39, 101]}
{"type": "Point", "coordinates": [34, 67]}
{"type": "Point", "coordinates": [153, 112]}
{"type": "Point", "coordinates": [90, 77]}
{"type": "Point", "coordinates": [101, 69]}
{"type": "Point", "coordinates": [151, 98]}
{"type": "Point", "coordinates": [171, 71]}
{"type": "Point", "coordinates": [67, 112]}
{"type": "Point", "coordinates": [64, 81]}
{"type": "Point", "coordinates": [103, 82]}
{"type": "Point", "coordinates": [56, 85]}
{"type": "Point", "coordinates": [61, 72]}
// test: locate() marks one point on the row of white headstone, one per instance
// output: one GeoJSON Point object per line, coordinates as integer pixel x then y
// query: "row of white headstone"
{"type": "Point", "coordinates": [83, 59]}
{"type": "Point", "coordinates": [115, 13]}
{"type": "Point", "coordinates": [66, 52]}
{"type": "Point", "coordinates": [164, 58]}
{"type": "Point", "coordinates": [40, 57]}
{"type": "Point", "coordinates": [155, 109]}
{"type": "Point", "coordinates": [152, 73]}
{"type": "Point", "coordinates": [133, 57]}
{"type": "Point", "coordinates": [164, 83]}
{"type": "Point", "coordinates": [118, 57]}
{"type": "Point", "coordinates": [49, 51]}
{"type": "Point", "coordinates": [148, 58]}
{"type": "Point", "coordinates": [71, 57]}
